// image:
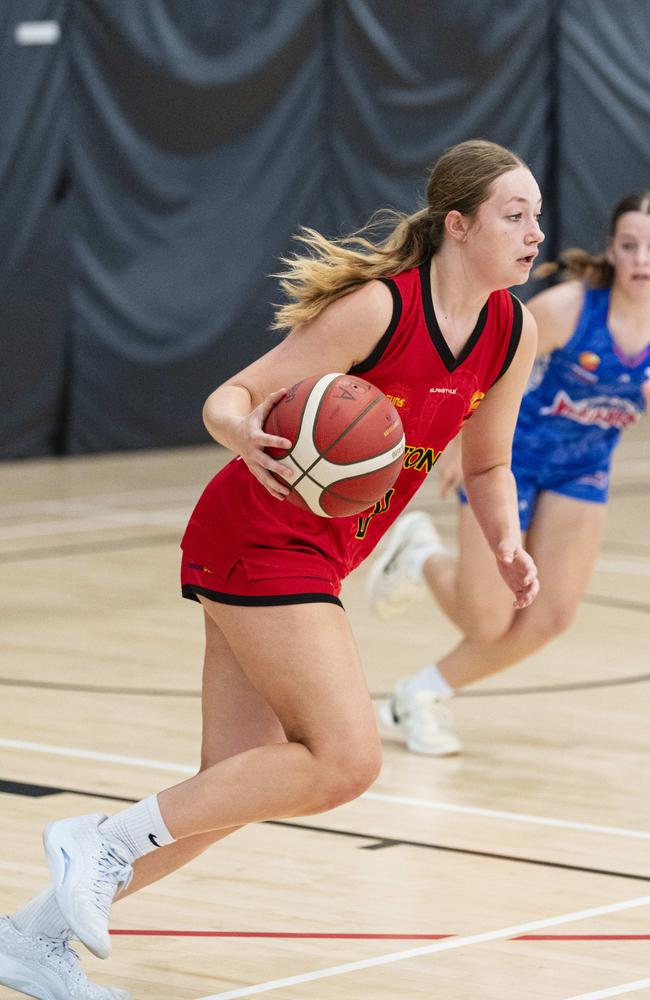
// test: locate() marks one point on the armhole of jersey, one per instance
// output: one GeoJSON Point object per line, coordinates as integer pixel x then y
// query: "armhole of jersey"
{"type": "Point", "coordinates": [379, 348]}
{"type": "Point", "coordinates": [583, 321]}
{"type": "Point", "coordinates": [515, 335]}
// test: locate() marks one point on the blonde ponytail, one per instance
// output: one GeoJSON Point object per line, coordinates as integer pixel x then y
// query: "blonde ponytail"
{"type": "Point", "coordinates": [460, 180]}
{"type": "Point", "coordinates": [332, 268]}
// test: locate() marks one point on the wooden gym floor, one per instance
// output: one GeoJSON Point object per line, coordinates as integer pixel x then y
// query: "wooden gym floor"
{"type": "Point", "coordinates": [517, 871]}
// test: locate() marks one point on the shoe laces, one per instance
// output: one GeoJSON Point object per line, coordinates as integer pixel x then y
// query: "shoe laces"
{"type": "Point", "coordinates": [113, 873]}
{"type": "Point", "coordinates": [60, 948]}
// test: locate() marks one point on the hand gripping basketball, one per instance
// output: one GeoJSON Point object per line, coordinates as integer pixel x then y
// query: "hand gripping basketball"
{"type": "Point", "coordinates": [256, 443]}
{"type": "Point", "coordinates": [348, 443]}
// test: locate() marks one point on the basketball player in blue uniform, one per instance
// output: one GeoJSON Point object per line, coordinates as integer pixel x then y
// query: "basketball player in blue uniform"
{"type": "Point", "coordinates": [590, 382]}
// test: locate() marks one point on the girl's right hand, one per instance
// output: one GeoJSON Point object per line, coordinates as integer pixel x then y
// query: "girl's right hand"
{"type": "Point", "coordinates": [252, 441]}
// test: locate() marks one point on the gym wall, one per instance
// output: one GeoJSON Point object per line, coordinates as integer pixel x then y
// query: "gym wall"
{"type": "Point", "coordinates": [157, 158]}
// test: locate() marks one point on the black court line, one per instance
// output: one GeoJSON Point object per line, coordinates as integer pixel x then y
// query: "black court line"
{"type": "Point", "coordinates": [601, 600]}
{"type": "Point", "coordinates": [608, 682]}
{"type": "Point", "coordinates": [98, 689]}
{"type": "Point", "coordinates": [89, 548]}
{"type": "Point", "coordinates": [376, 843]}
{"type": "Point", "coordinates": [631, 489]}
{"type": "Point", "coordinates": [621, 547]}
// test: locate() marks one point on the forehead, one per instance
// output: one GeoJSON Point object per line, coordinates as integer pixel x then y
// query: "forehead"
{"type": "Point", "coordinates": [516, 185]}
{"type": "Point", "coordinates": [633, 224]}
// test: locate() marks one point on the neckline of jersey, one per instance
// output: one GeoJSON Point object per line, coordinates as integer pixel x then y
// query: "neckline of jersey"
{"type": "Point", "coordinates": [447, 356]}
{"type": "Point", "coordinates": [601, 300]}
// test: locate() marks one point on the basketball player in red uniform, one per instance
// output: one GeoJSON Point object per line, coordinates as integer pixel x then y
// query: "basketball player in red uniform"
{"type": "Point", "coordinates": [289, 728]}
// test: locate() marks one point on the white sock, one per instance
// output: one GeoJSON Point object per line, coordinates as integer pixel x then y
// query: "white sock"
{"type": "Point", "coordinates": [430, 679]}
{"type": "Point", "coordinates": [41, 917]}
{"type": "Point", "coordinates": [138, 829]}
{"type": "Point", "coordinates": [419, 554]}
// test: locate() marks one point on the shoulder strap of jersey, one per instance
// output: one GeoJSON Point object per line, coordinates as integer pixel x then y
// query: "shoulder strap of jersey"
{"type": "Point", "coordinates": [515, 335]}
{"type": "Point", "coordinates": [595, 307]}
{"type": "Point", "coordinates": [381, 345]}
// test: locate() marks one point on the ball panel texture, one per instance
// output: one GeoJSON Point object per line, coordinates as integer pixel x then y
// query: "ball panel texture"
{"type": "Point", "coordinates": [348, 443]}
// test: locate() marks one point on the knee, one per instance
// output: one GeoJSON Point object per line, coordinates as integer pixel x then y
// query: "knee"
{"type": "Point", "coordinates": [486, 623]}
{"type": "Point", "coordinates": [217, 748]}
{"type": "Point", "coordinates": [553, 621]}
{"type": "Point", "coordinates": [345, 779]}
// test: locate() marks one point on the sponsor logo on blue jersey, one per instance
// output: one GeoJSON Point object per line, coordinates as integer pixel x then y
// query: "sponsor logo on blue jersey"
{"type": "Point", "coordinates": [601, 411]}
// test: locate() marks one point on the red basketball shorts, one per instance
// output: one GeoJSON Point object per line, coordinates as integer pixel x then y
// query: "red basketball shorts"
{"type": "Point", "coordinates": [266, 577]}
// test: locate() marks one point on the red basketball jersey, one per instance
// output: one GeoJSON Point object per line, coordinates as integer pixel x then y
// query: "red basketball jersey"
{"type": "Point", "coordinates": [434, 393]}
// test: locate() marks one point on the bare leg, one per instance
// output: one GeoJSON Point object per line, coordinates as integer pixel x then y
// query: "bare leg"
{"type": "Point", "coordinates": [303, 662]}
{"type": "Point", "coordinates": [468, 587]}
{"type": "Point", "coordinates": [564, 539]}
{"type": "Point", "coordinates": [310, 743]}
{"type": "Point", "coordinates": [235, 718]}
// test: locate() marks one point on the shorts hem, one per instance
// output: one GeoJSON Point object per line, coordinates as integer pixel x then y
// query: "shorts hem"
{"type": "Point", "coordinates": [190, 591]}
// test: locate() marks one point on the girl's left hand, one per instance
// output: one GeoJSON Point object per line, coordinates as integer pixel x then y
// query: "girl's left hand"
{"type": "Point", "coordinates": [519, 571]}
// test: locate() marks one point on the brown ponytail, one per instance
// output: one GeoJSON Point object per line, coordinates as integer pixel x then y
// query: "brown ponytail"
{"type": "Point", "coordinates": [574, 263]}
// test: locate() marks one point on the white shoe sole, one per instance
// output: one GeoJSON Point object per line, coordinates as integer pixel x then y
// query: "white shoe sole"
{"type": "Point", "coordinates": [19, 976]}
{"type": "Point", "coordinates": [445, 748]}
{"type": "Point", "coordinates": [58, 849]}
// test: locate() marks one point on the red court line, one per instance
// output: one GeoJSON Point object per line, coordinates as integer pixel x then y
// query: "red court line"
{"type": "Point", "coordinates": [372, 937]}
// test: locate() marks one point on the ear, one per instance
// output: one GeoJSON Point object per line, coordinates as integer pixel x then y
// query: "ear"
{"type": "Point", "coordinates": [609, 254]}
{"type": "Point", "coordinates": [457, 226]}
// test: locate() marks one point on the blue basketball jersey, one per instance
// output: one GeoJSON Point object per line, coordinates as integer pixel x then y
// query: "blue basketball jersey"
{"type": "Point", "coordinates": [580, 397]}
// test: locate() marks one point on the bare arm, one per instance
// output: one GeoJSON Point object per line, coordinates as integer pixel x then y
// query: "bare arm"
{"type": "Point", "coordinates": [342, 335]}
{"type": "Point", "coordinates": [556, 311]}
{"type": "Point", "coordinates": [489, 483]}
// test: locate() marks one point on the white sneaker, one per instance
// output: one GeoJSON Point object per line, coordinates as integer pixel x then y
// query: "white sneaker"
{"type": "Point", "coordinates": [393, 583]}
{"type": "Point", "coordinates": [422, 720]}
{"type": "Point", "coordinates": [87, 870]}
{"type": "Point", "coordinates": [46, 968]}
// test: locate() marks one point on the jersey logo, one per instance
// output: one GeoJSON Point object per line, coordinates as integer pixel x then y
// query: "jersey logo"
{"type": "Point", "coordinates": [350, 390]}
{"type": "Point", "coordinates": [420, 459]}
{"type": "Point", "coordinates": [602, 411]}
{"type": "Point", "coordinates": [589, 360]}
{"type": "Point", "coordinates": [583, 374]}
{"type": "Point", "coordinates": [380, 507]}
{"type": "Point", "coordinates": [474, 404]}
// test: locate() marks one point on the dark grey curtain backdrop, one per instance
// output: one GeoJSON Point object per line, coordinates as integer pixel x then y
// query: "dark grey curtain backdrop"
{"type": "Point", "coordinates": [32, 246]}
{"type": "Point", "coordinates": [157, 160]}
{"type": "Point", "coordinates": [409, 79]}
{"type": "Point", "coordinates": [197, 151]}
{"type": "Point", "coordinates": [604, 112]}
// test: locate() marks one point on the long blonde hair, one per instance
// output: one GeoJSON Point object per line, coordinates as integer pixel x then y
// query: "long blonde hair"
{"type": "Point", "coordinates": [594, 269]}
{"type": "Point", "coordinates": [460, 180]}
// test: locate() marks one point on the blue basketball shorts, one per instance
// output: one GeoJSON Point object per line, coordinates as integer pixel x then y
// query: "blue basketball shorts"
{"type": "Point", "coordinates": [593, 487]}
